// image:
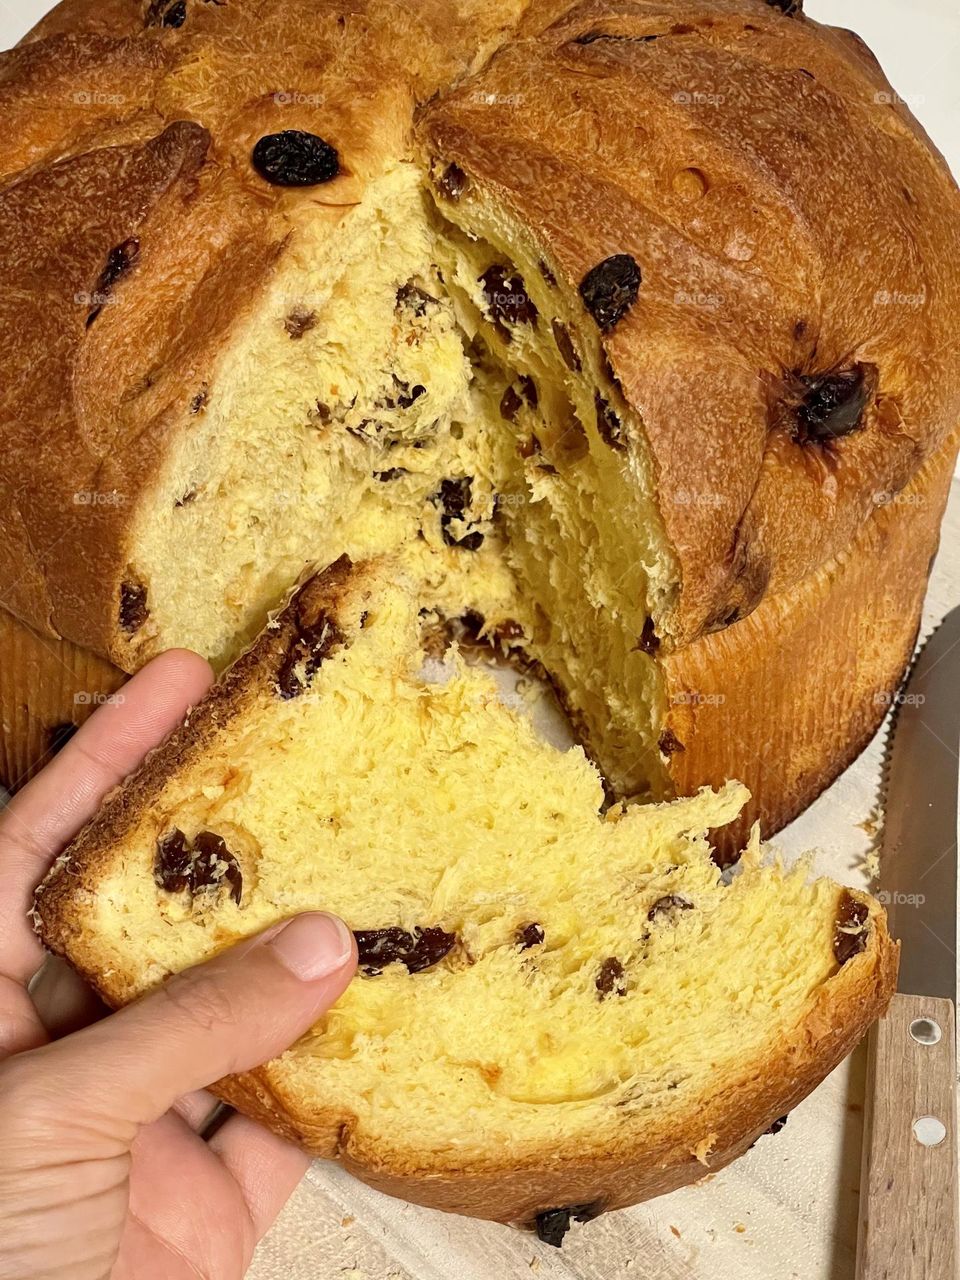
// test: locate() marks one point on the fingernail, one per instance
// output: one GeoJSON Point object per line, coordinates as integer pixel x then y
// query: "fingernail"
{"type": "Point", "coordinates": [313, 946]}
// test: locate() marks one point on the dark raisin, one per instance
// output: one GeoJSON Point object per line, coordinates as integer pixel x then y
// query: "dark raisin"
{"type": "Point", "coordinates": [669, 905]}
{"type": "Point", "coordinates": [418, 950]}
{"type": "Point", "coordinates": [454, 499]}
{"type": "Point", "coordinates": [669, 743]}
{"type": "Point", "coordinates": [472, 541]}
{"type": "Point", "coordinates": [452, 182]}
{"type": "Point", "coordinates": [133, 606]}
{"type": "Point", "coordinates": [507, 300]}
{"type": "Point", "coordinates": [529, 935]}
{"type": "Point", "coordinates": [568, 353]}
{"type": "Point", "coordinates": [317, 639]}
{"type": "Point", "coordinates": [529, 448]}
{"type": "Point", "coordinates": [121, 259]}
{"type": "Point", "coordinates": [392, 473]}
{"type": "Point", "coordinates": [832, 404]}
{"type": "Point", "coordinates": [850, 932]}
{"type": "Point", "coordinates": [205, 864]}
{"type": "Point", "coordinates": [455, 495]}
{"type": "Point", "coordinates": [468, 628]}
{"type": "Point", "coordinates": [528, 389]}
{"type": "Point", "coordinates": [166, 13]}
{"type": "Point", "coordinates": [299, 322]}
{"type": "Point", "coordinates": [377, 948]}
{"type": "Point", "coordinates": [199, 401]}
{"type": "Point", "coordinates": [553, 1224]}
{"type": "Point", "coordinates": [610, 289]}
{"type": "Point", "coordinates": [591, 37]}
{"type": "Point", "coordinates": [608, 423]}
{"type": "Point", "coordinates": [777, 1125]}
{"type": "Point", "coordinates": [649, 641]}
{"type": "Point", "coordinates": [408, 395]}
{"type": "Point", "coordinates": [790, 7]}
{"type": "Point", "coordinates": [60, 735]}
{"type": "Point", "coordinates": [404, 397]}
{"type": "Point", "coordinates": [176, 15]}
{"type": "Point", "coordinates": [547, 274]}
{"type": "Point", "coordinates": [411, 297]}
{"type": "Point", "coordinates": [324, 414]}
{"type": "Point", "coordinates": [430, 947]}
{"type": "Point", "coordinates": [510, 405]}
{"type": "Point", "coordinates": [294, 158]}
{"type": "Point", "coordinates": [213, 864]}
{"type": "Point", "coordinates": [173, 861]}
{"type": "Point", "coordinates": [611, 978]}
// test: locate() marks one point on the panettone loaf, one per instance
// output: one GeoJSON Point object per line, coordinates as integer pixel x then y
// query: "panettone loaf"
{"type": "Point", "coordinates": [634, 320]}
{"type": "Point", "coordinates": [558, 1011]}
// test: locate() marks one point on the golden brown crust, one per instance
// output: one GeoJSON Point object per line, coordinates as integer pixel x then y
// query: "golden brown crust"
{"type": "Point", "coordinates": [787, 699]}
{"type": "Point", "coordinates": [59, 546]}
{"type": "Point", "coordinates": [767, 249]}
{"type": "Point", "coordinates": [774, 257]}
{"type": "Point", "coordinates": [158, 122]}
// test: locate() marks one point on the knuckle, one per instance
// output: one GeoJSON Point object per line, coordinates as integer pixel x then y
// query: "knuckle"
{"type": "Point", "coordinates": [18, 1085]}
{"type": "Point", "coordinates": [25, 1102]}
{"type": "Point", "coordinates": [202, 1001]}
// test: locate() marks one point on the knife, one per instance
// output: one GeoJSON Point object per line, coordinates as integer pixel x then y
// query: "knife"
{"type": "Point", "coordinates": [909, 1197]}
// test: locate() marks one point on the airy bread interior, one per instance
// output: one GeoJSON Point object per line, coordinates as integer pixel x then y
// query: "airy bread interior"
{"type": "Point", "coordinates": [583, 976]}
{"type": "Point", "coordinates": [408, 385]}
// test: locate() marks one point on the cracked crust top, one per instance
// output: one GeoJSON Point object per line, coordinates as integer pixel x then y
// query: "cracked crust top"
{"type": "Point", "coordinates": [790, 349]}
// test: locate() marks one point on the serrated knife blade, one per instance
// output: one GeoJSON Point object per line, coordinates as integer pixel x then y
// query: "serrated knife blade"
{"type": "Point", "coordinates": [918, 858]}
{"type": "Point", "coordinates": [909, 1200]}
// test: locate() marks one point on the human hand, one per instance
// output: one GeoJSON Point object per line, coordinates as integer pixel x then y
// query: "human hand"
{"type": "Point", "coordinates": [103, 1172]}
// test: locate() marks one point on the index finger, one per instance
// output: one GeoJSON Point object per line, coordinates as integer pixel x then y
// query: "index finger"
{"type": "Point", "coordinates": [51, 809]}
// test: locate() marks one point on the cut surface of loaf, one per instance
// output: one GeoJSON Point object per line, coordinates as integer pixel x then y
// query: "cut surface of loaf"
{"type": "Point", "coordinates": [599, 307]}
{"type": "Point", "coordinates": [560, 1009]}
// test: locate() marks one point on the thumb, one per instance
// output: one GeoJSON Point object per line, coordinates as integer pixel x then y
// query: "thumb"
{"type": "Point", "coordinates": [231, 1014]}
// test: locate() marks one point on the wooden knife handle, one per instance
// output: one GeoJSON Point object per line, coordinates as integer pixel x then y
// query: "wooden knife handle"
{"type": "Point", "coordinates": [909, 1198]}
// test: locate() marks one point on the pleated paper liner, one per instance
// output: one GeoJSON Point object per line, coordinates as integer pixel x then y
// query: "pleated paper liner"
{"type": "Point", "coordinates": [47, 689]}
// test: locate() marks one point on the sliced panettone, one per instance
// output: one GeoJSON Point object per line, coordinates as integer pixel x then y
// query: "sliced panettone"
{"type": "Point", "coordinates": [559, 1009]}
{"type": "Point", "coordinates": [629, 317]}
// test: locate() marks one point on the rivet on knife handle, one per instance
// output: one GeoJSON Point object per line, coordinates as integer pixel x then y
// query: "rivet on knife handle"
{"type": "Point", "coordinates": [909, 1193]}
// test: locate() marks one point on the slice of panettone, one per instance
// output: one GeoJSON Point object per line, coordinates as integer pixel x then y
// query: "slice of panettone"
{"type": "Point", "coordinates": [559, 1010]}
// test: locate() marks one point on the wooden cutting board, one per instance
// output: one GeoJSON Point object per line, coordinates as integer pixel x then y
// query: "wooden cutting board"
{"type": "Point", "coordinates": [786, 1211]}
